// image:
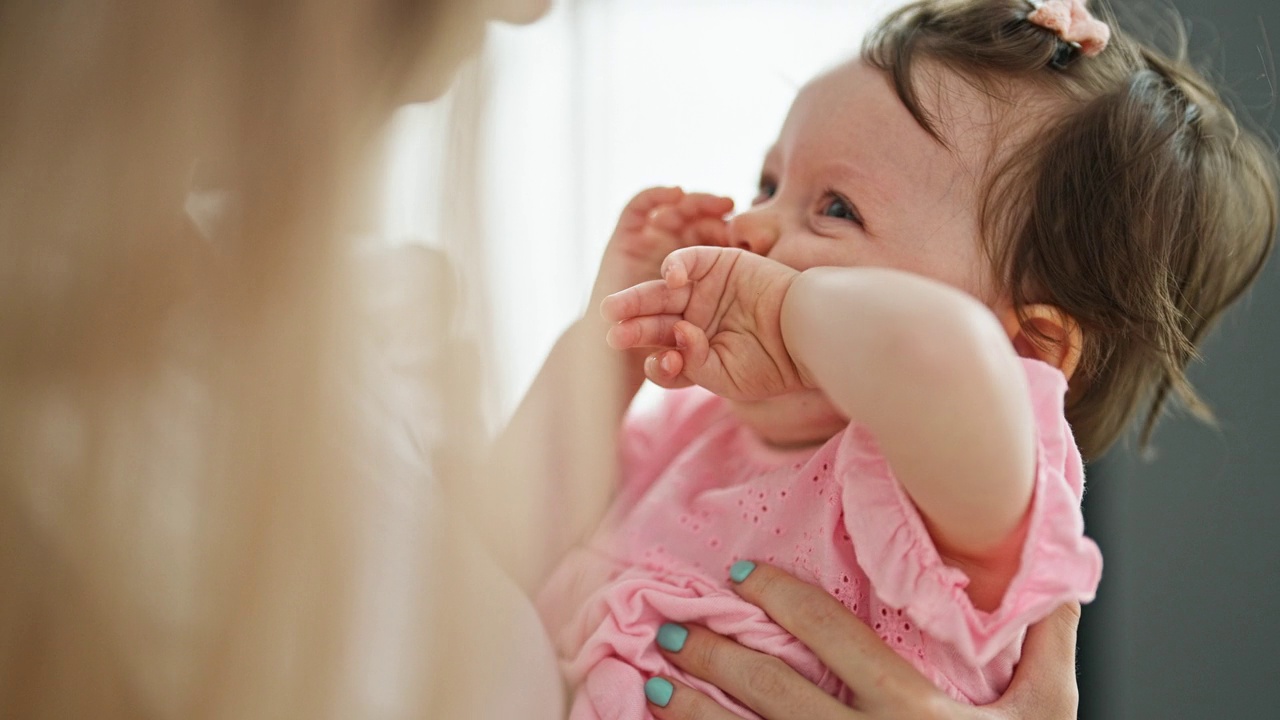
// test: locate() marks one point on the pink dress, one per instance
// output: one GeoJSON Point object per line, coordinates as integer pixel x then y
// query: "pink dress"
{"type": "Point", "coordinates": [700, 492]}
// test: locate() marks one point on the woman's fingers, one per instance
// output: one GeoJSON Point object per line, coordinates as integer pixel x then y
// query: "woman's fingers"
{"type": "Point", "coordinates": [877, 675]}
{"type": "Point", "coordinates": [885, 685]}
{"type": "Point", "coordinates": [673, 700]}
{"type": "Point", "coordinates": [762, 682]}
{"type": "Point", "coordinates": [1044, 683]}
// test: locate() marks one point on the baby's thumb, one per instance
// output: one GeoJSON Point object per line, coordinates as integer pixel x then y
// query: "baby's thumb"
{"type": "Point", "coordinates": [694, 348]}
{"type": "Point", "coordinates": [675, 271]}
{"type": "Point", "coordinates": [664, 369]}
{"type": "Point", "coordinates": [690, 264]}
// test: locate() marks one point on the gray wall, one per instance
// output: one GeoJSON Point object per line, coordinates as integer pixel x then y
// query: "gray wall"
{"type": "Point", "coordinates": [1187, 624]}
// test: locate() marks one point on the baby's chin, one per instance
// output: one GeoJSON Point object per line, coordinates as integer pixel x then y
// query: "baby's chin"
{"type": "Point", "coordinates": [800, 419]}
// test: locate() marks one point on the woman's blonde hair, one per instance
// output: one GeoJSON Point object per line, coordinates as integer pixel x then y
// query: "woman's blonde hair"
{"type": "Point", "coordinates": [177, 450]}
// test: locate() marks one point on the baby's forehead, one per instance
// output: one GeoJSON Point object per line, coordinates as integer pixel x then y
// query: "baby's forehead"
{"type": "Point", "coordinates": [852, 116]}
{"type": "Point", "coordinates": [976, 121]}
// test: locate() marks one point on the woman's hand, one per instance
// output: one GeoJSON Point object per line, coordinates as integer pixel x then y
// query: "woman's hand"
{"type": "Point", "coordinates": [884, 685]}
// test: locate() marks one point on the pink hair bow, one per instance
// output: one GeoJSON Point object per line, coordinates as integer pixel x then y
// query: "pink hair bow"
{"type": "Point", "coordinates": [1072, 22]}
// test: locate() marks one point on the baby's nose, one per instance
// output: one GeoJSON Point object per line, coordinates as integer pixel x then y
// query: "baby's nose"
{"type": "Point", "coordinates": [755, 231]}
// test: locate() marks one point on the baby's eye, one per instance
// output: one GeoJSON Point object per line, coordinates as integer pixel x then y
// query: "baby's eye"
{"type": "Point", "coordinates": [767, 189]}
{"type": "Point", "coordinates": [837, 207]}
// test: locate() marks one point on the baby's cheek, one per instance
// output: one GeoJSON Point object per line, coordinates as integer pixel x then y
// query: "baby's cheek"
{"type": "Point", "coordinates": [956, 258]}
{"type": "Point", "coordinates": [804, 256]}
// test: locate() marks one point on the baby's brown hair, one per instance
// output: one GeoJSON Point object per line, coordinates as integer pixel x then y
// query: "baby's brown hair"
{"type": "Point", "coordinates": [1142, 209]}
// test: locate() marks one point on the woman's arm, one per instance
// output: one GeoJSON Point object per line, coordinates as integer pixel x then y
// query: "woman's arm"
{"type": "Point", "coordinates": [931, 372]}
{"type": "Point", "coordinates": [884, 685]}
{"type": "Point", "coordinates": [552, 470]}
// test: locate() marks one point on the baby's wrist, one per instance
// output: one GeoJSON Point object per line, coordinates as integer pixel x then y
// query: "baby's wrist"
{"type": "Point", "coordinates": [791, 318]}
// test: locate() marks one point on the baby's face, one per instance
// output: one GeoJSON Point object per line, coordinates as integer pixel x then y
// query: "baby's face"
{"type": "Point", "coordinates": [854, 181]}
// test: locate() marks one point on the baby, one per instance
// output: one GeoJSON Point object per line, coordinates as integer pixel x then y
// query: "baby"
{"type": "Point", "coordinates": [976, 251]}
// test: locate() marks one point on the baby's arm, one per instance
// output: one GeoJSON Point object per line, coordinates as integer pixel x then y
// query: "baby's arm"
{"type": "Point", "coordinates": [927, 368]}
{"type": "Point", "coordinates": [931, 372]}
{"type": "Point", "coordinates": [555, 461]}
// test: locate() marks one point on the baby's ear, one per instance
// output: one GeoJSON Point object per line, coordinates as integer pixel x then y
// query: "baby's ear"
{"type": "Point", "coordinates": [1046, 333]}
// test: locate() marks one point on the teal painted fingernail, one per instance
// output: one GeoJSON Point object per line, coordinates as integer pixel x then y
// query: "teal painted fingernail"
{"type": "Point", "coordinates": [658, 691]}
{"type": "Point", "coordinates": [671, 637]}
{"type": "Point", "coordinates": [740, 570]}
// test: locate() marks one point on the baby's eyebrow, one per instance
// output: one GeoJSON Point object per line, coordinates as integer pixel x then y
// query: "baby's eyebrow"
{"type": "Point", "coordinates": [871, 192]}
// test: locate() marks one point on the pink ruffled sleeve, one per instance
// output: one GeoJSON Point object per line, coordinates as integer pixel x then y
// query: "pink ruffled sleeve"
{"type": "Point", "coordinates": [893, 547]}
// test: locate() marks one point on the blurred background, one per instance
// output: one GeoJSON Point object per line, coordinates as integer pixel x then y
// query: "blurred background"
{"type": "Point", "coordinates": [1187, 620]}
{"type": "Point", "coordinates": [605, 97]}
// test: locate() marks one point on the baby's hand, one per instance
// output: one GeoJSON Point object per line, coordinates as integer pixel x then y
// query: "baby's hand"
{"type": "Point", "coordinates": [721, 309]}
{"type": "Point", "coordinates": [655, 223]}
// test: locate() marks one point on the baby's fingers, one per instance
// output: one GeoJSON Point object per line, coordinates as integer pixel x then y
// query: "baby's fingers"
{"type": "Point", "coordinates": [690, 209]}
{"type": "Point", "coordinates": [664, 369]}
{"type": "Point", "coordinates": [636, 214]}
{"type": "Point", "coordinates": [698, 364]}
{"type": "Point", "coordinates": [648, 298]}
{"type": "Point", "coordinates": [693, 264]}
{"type": "Point", "coordinates": [707, 231]}
{"type": "Point", "coordinates": [643, 331]}
{"type": "Point", "coordinates": [694, 205]}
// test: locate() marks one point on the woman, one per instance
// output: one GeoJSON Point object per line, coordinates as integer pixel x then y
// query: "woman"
{"type": "Point", "coordinates": [196, 469]}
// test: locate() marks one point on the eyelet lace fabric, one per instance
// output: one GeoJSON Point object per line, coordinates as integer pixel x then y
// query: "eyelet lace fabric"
{"type": "Point", "coordinates": [700, 492]}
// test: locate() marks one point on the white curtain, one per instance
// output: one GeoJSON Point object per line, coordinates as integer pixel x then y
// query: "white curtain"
{"type": "Point", "coordinates": [597, 101]}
